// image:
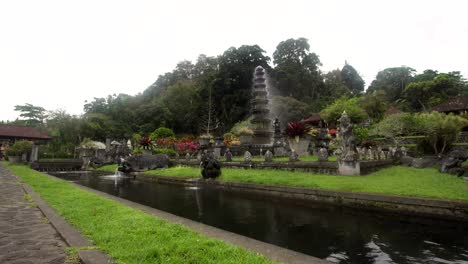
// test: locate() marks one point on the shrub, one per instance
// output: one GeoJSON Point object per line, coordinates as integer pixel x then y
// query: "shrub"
{"type": "Point", "coordinates": [166, 142]}
{"type": "Point", "coordinates": [162, 132]}
{"type": "Point", "coordinates": [169, 152]}
{"type": "Point", "coordinates": [19, 148]}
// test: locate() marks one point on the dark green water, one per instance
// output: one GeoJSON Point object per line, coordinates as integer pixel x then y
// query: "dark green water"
{"type": "Point", "coordinates": [337, 234]}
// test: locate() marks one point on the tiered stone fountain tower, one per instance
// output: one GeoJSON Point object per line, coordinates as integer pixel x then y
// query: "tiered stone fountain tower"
{"type": "Point", "coordinates": [261, 122]}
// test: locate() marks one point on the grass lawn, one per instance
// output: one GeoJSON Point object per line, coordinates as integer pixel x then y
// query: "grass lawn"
{"type": "Point", "coordinates": [110, 168]}
{"type": "Point", "coordinates": [396, 180]}
{"type": "Point", "coordinates": [129, 235]}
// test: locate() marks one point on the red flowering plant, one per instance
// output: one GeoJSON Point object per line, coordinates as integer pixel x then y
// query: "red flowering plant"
{"type": "Point", "coordinates": [296, 129]}
{"type": "Point", "coordinates": [146, 143]}
{"type": "Point", "coordinates": [185, 145]}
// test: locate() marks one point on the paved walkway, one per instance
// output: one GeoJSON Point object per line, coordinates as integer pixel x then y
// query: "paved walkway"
{"type": "Point", "coordinates": [26, 236]}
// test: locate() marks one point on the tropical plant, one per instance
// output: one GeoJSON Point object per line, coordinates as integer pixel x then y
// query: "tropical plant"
{"type": "Point", "coordinates": [296, 129]}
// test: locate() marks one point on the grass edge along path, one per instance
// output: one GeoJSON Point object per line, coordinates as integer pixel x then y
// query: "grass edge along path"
{"type": "Point", "coordinates": [395, 180]}
{"type": "Point", "coordinates": [129, 235]}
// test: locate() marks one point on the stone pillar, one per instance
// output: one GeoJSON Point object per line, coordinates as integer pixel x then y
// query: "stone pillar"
{"type": "Point", "coordinates": [34, 153]}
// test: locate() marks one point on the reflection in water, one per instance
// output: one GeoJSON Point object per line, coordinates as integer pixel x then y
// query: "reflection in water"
{"type": "Point", "coordinates": [337, 234]}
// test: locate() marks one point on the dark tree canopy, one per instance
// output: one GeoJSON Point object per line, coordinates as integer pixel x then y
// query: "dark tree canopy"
{"type": "Point", "coordinates": [296, 72]}
{"type": "Point", "coordinates": [352, 79]}
{"type": "Point", "coordinates": [392, 81]}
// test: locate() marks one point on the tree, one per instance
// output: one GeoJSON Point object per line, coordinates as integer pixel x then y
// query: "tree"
{"type": "Point", "coordinates": [296, 72]}
{"type": "Point", "coordinates": [441, 130]}
{"type": "Point", "coordinates": [375, 105]}
{"type": "Point", "coordinates": [352, 107]}
{"type": "Point", "coordinates": [182, 101]}
{"type": "Point", "coordinates": [352, 79]}
{"type": "Point", "coordinates": [422, 95]}
{"type": "Point", "coordinates": [395, 126]}
{"type": "Point", "coordinates": [232, 84]}
{"type": "Point", "coordinates": [392, 81]}
{"type": "Point", "coordinates": [33, 115]}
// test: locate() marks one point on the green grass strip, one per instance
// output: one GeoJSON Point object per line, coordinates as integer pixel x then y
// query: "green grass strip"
{"type": "Point", "coordinates": [127, 234]}
{"type": "Point", "coordinates": [396, 180]}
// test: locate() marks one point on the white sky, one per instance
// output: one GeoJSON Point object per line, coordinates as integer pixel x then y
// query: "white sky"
{"type": "Point", "coordinates": [57, 54]}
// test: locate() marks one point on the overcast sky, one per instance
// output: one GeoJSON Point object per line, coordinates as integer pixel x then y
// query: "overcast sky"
{"type": "Point", "coordinates": [57, 54]}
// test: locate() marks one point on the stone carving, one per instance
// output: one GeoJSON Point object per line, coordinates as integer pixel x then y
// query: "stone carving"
{"type": "Point", "coordinates": [349, 151]}
{"type": "Point", "coordinates": [268, 156]}
{"type": "Point", "coordinates": [452, 163]}
{"type": "Point", "coordinates": [211, 169]}
{"type": "Point", "coordinates": [323, 154]}
{"type": "Point", "coordinates": [188, 157]}
{"type": "Point", "coordinates": [293, 156]}
{"type": "Point", "coordinates": [228, 155]}
{"type": "Point", "coordinates": [348, 163]}
{"type": "Point", "coordinates": [247, 157]}
{"type": "Point", "coordinates": [277, 127]}
{"type": "Point", "coordinates": [145, 162]}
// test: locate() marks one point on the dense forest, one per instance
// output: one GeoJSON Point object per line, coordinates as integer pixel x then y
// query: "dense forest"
{"type": "Point", "coordinates": [181, 99]}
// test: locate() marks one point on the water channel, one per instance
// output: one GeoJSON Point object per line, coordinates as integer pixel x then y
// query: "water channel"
{"type": "Point", "coordinates": [334, 233]}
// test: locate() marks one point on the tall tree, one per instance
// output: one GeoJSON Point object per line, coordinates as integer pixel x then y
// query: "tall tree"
{"type": "Point", "coordinates": [32, 115]}
{"type": "Point", "coordinates": [352, 79]}
{"type": "Point", "coordinates": [392, 81]}
{"type": "Point", "coordinates": [296, 72]}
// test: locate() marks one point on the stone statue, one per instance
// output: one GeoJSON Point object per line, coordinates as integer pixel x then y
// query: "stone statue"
{"type": "Point", "coordinates": [276, 126]}
{"type": "Point", "coordinates": [144, 162]}
{"type": "Point", "coordinates": [188, 157]}
{"type": "Point", "coordinates": [210, 168]}
{"type": "Point", "coordinates": [228, 155]}
{"type": "Point", "coordinates": [323, 154]}
{"type": "Point", "coordinates": [349, 151]}
{"type": "Point", "coordinates": [293, 156]}
{"type": "Point", "coordinates": [268, 156]}
{"type": "Point", "coordinates": [247, 157]}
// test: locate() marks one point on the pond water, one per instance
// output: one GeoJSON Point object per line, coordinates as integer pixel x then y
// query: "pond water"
{"type": "Point", "coordinates": [334, 233]}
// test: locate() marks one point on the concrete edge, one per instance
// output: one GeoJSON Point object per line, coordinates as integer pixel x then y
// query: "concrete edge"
{"type": "Point", "coordinates": [270, 251]}
{"type": "Point", "coordinates": [69, 234]}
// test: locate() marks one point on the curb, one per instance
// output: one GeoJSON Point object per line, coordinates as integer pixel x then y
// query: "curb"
{"type": "Point", "coordinates": [70, 235]}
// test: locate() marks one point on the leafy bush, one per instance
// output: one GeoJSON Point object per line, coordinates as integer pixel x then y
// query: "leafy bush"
{"type": "Point", "coordinates": [352, 107]}
{"type": "Point", "coordinates": [19, 148]}
{"type": "Point", "coordinates": [295, 129]}
{"type": "Point", "coordinates": [162, 132]}
{"type": "Point", "coordinates": [169, 152]}
{"type": "Point", "coordinates": [397, 125]}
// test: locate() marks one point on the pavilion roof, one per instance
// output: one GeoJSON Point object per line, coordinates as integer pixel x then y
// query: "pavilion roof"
{"type": "Point", "coordinates": [453, 104]}
{"type": "Point", "coordinates": [22, 132]}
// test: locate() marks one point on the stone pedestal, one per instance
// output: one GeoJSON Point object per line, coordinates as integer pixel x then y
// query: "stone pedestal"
{"type": "Point", "coordinates": [349, 168]}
